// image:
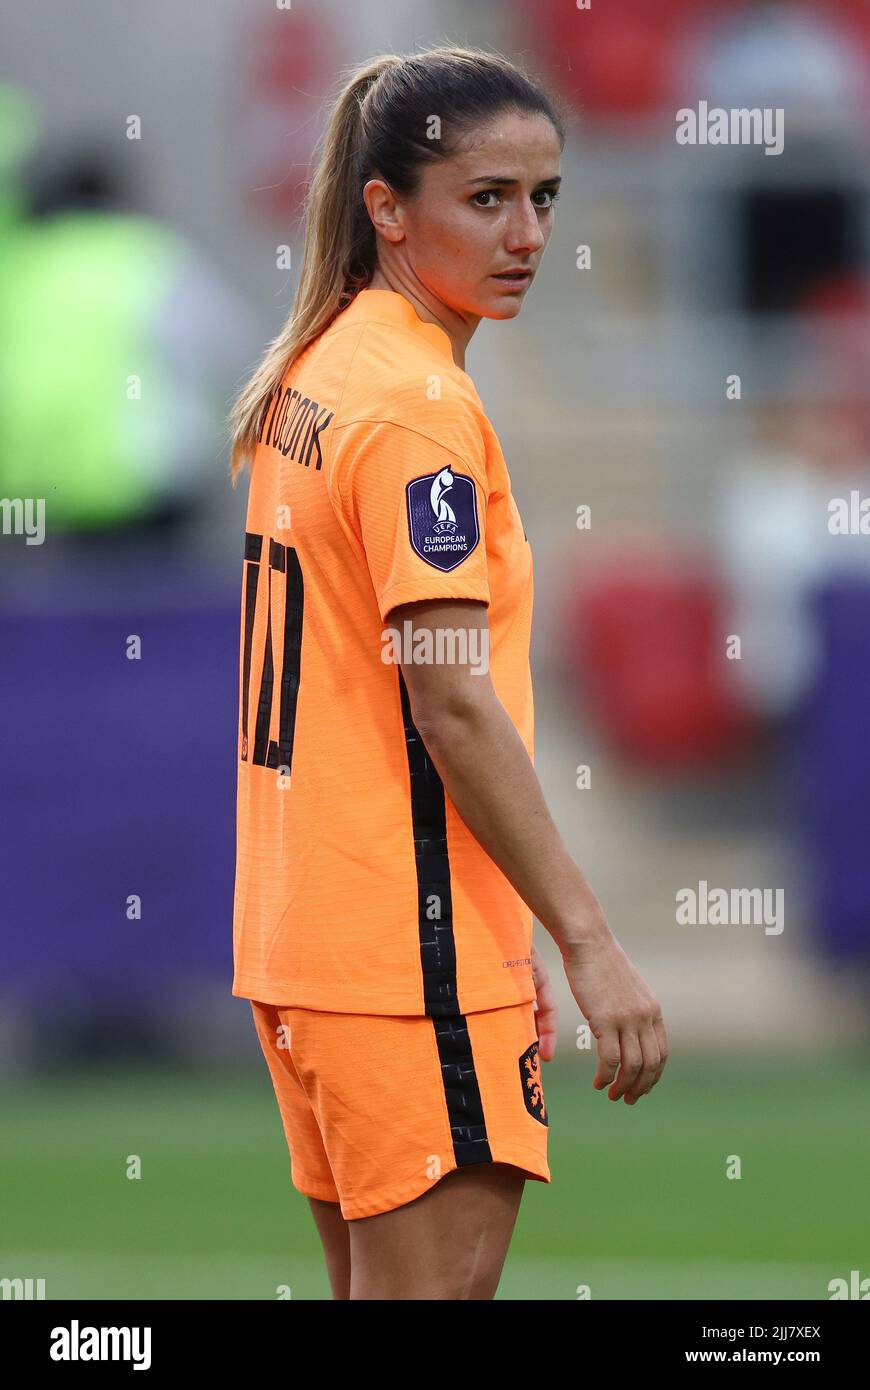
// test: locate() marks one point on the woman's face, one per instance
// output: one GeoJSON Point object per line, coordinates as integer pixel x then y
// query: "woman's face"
{"type": "Point", "coordinates": [489, 208]}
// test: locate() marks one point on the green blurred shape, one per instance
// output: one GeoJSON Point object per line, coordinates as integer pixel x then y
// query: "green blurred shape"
{"type": "Point", "coordinates": [87, 405]}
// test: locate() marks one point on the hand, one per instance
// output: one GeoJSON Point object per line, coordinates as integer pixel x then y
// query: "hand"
{"type": "Point", "coordinates": [545, 1017]}
{"type": "Point", "coordinates": [623, 1014]}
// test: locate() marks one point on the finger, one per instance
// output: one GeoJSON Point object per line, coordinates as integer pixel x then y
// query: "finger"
{"type": "Point", "coordinates": [544, 989]}
{"type": "Point", "coordinates": [545, 1016]}
{"type": "Point", "coordinates": [609, 1057]}
{"type": "Point", "coordinates": [650, 1068]}
{"type": "Point", "coordinates": [632, 1061]}
{"type": "Point", "coordinates": [662, 1039]}
{"type": "Point", "coordinates": [546, 1024]}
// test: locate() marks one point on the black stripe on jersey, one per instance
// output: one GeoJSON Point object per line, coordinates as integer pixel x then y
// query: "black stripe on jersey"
{"type": "Point", "coordinates": [285, 559]}
{"type": "Point", "coordinates": [253, 548]}
{"type": "Point", "coordinates": [437, 946]}
{"type": "Point", "coordinates": [264, 704]}
{"type": "Point", "coordinates": [438, 949]}
{"type": "Point", "coordinates": [462, 1091]}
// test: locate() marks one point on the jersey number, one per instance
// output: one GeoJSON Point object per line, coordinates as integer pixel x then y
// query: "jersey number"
{"type": "Point", "coordinates": [284, 560]}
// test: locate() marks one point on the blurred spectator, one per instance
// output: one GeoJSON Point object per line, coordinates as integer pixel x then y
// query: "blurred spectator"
{"type": "Point", "coordinates": [805, 58]}
{"type": "Point", "coordinates": [793, 520]}
{"type": "Point", "coordinates": [120, 346]}
{"type": "Point", "coordinates": [777, 539]}
{"type": "Point", "coordinates": [803, 217]}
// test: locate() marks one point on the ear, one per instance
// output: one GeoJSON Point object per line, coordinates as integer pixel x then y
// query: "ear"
{"type": "Point", "coordinates": [383, 209]}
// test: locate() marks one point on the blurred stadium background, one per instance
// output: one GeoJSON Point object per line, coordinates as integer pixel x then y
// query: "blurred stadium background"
{"type": "Point", "coordinates": [699, 382]}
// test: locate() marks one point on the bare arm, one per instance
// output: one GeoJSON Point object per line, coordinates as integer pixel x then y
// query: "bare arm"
{"type": "Point", "coordinates": [491, 781]}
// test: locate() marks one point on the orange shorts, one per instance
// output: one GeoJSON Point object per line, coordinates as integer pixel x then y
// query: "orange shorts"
{"type": "Point", "coordinates": [377, 1108]}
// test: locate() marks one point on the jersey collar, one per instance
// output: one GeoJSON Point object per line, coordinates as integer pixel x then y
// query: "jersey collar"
{"type": "Point", "coordinates": [390, 307]}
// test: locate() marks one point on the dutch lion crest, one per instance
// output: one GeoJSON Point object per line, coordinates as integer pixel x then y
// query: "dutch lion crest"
{"type": "Point", "coordinates": [533, 1086]}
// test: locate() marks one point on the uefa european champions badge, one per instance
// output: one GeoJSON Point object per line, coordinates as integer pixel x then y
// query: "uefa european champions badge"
{"type": "Point", "coordinates": [442, 517]}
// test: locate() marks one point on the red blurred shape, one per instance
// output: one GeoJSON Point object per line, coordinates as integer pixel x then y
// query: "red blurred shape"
{"type": "Point", "coordinates": [289, 62]}
{"type": "Point", "coordinates": [646, 656]}
{"type": "Point", "coordinates": [616, 57]}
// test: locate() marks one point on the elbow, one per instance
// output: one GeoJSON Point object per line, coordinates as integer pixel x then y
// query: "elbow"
{"type": "Point", "coordinates": [449, 718]}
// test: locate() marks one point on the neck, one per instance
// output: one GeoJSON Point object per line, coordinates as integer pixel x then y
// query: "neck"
{"type": "Point", "coordinates": [430, 310]}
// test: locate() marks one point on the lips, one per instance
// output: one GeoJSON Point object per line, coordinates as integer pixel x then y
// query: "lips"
{"type": "Point", "coordinates": [513, 275]}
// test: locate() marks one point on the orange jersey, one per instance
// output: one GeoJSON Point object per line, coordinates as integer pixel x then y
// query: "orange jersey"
{"type": "Point", "coordinates": [377, 479]}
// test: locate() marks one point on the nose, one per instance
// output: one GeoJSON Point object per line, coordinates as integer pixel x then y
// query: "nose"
{"type": "Point", "coordinates": [524, 232]}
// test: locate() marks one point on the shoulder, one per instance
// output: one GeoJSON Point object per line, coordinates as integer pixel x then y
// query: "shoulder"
{"type": "Point", "coordinates": [397, 379]}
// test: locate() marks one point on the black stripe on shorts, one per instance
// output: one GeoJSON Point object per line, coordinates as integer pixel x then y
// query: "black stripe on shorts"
{"type": "Point", "coordinates": [462, 1091]}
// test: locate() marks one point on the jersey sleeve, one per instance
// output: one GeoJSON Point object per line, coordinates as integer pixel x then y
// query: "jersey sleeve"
{"type": "Point", "coordinates": [417, 508]}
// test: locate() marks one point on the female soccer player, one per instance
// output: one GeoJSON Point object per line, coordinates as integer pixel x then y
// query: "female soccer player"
{"type": "Point", "coordinates": [392, 838]}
